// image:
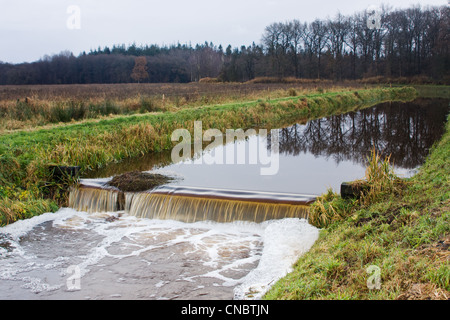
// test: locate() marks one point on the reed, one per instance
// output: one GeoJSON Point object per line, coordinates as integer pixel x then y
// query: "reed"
{"type": "Point", "coordinates": [380, 179]}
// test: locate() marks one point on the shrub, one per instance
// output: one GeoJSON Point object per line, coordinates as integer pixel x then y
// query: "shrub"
{"type": "Point", "coordinates": [208, 80]}
{"type": "Point", "coordinates": [292, 92]}
{"type": "Point", "coordinates": [148, 105]}
{"type": "Point", "coordinates": [23, 111]}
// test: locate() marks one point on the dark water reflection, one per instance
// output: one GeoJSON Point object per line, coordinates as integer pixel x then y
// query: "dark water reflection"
{"type": "Point", "coordinates": [321, 153]}
{"type": "Point", "coordinates": [406, 131]}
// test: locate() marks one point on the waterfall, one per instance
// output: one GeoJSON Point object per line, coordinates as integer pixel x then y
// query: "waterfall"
{"type": "Point", "coordinates": [93, 199]}
{"type": "Point", "coordinates": [192, 204]}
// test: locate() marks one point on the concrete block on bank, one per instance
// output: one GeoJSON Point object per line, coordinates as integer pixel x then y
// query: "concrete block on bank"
{"type": "Point", "coordinates": [62, 173]}
{"type": "Point", "coordinates": [352, 190]}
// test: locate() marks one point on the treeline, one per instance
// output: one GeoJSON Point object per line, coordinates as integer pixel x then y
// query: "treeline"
{"type": "Point", "coordinates": [393, 43]}
{"type": "Point", "coordinates": [400, 43]}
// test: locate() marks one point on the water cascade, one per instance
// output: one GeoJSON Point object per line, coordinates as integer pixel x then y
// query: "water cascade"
{"type": "Point", "coordinates": [95, 199]}
{"type": "Point", "coordinates": [190, 204]}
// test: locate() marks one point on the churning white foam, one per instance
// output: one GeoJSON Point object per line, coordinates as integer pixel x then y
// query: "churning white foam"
{"type": "Point", "coordinates": [284, 242]}
{"type": "Point", "coordinates": [22, 227]}
{"type": "Point", "coordinates": [223, 249]}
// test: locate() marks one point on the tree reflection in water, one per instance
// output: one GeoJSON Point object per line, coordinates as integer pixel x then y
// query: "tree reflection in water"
{"type": "Point", "coordinates": [406, 131]}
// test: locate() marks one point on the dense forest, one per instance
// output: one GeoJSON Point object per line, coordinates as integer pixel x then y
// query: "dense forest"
{"type": "Point", "coordinates": [400, 43]}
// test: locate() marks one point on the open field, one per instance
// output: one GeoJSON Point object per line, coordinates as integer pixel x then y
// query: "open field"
{"type": "Point", "coordinates": [128, 90]}
{"type": "Point", "coordinates": [25, 107]}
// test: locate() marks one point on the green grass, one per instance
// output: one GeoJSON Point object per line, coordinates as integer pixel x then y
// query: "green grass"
{"type": "Point", "coordinates": [25, 155]}
{"type": "Point", "coordinates": [405, 233]}
{"type": "Point", "coordinates": [433, 91]}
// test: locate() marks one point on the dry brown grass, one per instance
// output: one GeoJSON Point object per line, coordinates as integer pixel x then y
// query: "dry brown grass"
{"type": "Point", "coordinates": [424, 291]}
{"type": "Point", "coordinates": [26, 107]}
{"type": "Point", "coordinates": [122, 91]}
{"type": "Point", "coordinates": [415, 80]}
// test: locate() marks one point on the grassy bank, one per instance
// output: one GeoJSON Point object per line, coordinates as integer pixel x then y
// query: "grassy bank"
{"type": "Point", "coordinates": [433, 91]}
{"type": "Point", "coordinates": [400, 227]}
{"type": "Point", "coordinates": [26, 187]}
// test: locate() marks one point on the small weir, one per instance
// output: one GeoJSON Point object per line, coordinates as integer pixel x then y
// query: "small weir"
{"type": "Point", "coordinates": [93, 199]}
{"type": "Point", "coordinates": [189, 204]}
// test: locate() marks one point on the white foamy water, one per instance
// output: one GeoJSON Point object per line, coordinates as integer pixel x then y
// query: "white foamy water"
{"type": "Point", "coordinates": [76, 255]}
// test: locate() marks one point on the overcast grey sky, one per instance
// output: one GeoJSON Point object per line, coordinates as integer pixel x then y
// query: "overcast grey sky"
{"type": "Point", "coordinates": [30, 29]}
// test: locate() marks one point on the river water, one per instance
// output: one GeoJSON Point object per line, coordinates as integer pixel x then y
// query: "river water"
{"type": "Point", "coordinates": [112, 255]}
{"type": "Point", "coordinates": [131, 258]}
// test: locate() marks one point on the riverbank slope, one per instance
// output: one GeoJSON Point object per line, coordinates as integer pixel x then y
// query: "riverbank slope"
{"type": "Point", "coordinates": [394, 248]}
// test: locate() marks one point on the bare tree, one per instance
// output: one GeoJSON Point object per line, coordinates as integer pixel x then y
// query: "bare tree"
{"type": "Point", "coordinates": [297, 30]}
{"type": "Point", "coordinates": [139, 72]}
{"type": "Point", "coordinates": [318, 33]}
{"type": "Point", "coordinates": [338, 30]}
{"type": "Point", "coordinates": [273, 41]}
{"type": "Point", "coordinates": [352, 41]}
